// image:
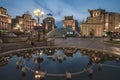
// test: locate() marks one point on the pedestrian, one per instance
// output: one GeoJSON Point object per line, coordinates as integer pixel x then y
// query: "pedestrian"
{"type": "Point", "coordinates": [32, 43]}
{"type": "Point", "coordinates": [63, 36]}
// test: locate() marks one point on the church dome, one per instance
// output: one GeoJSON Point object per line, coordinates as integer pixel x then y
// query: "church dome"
{"type": "Point", "coordinates": [60, 32]}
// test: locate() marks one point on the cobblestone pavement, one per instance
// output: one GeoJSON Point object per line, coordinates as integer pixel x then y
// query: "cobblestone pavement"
{"type": "Point", "coordinates": [93, 43]}
{"type": "Point", "coordinates": [13, 46]}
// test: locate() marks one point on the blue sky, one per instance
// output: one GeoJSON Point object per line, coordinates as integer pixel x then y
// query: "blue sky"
{"type": "Point", "coordinates": [60, 8]}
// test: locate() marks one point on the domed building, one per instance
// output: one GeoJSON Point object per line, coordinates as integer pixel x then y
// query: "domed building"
{"type": "Point", "coordinates": [61, 32]}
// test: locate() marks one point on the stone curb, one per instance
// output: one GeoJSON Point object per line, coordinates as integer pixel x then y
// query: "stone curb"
{"type": "Point", "coordinates": [99, 50]}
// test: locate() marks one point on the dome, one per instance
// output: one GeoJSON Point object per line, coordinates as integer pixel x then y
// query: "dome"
{"type": "Point", "coordinates": [49, 14]}
{"type": "Point", "coordinates": [60, 32]}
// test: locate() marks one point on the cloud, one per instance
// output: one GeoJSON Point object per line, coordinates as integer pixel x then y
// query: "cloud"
{"type": "Point", "coordinates": [59, 9]}
{"type": "Point", "coordinates": [18, 7]}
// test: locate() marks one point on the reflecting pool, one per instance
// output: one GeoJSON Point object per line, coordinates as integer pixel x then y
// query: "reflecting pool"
{"type": "Point", "coordinates": [59, 64]}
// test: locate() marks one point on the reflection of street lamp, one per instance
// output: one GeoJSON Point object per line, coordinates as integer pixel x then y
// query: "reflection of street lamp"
{"type": "Point", "coordinates": [38, 13]}
{"type": "Point", "coordinates": [37, 74]}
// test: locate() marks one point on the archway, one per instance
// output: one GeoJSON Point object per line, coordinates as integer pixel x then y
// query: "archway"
{"type": "Point", "coordinates": [92, 33]}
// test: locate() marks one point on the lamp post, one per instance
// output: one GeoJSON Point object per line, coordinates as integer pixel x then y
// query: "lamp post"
{"type": "Point", "coordinates": [38, 13]}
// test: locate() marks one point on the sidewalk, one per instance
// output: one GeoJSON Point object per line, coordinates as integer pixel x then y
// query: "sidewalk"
{"type": "Point", "coordinates": [12, 46]}
{"type": "Point", "coordinates": [92, 43]}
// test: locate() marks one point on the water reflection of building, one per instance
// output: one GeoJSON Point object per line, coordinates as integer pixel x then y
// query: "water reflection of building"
{"type": "Point", "coordinates": [99, 57]}
{"type": "Point", "coordinates": [69, 22]}
{"type": "Point", "coordinates": [99, 22]}
{"type": "Point", "coordinates": [5, 19]}
{"type": "Point", "coordinates": [3, 61]}
{"type": "Point", "coordinates": [69, 52]}
{"type": "Point", "coordinates": [49, 23]}
{"type": "Point", "coordinates": [24, 22]}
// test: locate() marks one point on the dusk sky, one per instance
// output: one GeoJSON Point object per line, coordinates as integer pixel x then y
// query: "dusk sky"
{"type": "Point", "coordinates": [59, 8]}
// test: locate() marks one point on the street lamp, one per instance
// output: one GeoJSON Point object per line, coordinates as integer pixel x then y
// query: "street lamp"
{"type": "Point", "coordinates": [38, 13]}
{"type": "Point", "coordinates": [18, 27]}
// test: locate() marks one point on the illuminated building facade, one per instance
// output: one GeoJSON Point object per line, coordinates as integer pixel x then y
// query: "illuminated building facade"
{"type": "Point", "coordinates": [99, 22]}
{"type": "Point", "coordinates": [49, 23]}
{"type": "Point", "coordinates": [24, 23]}
{"type": "Point", "coordinates": [5, 19]}
{"type": "Point", "coordinates": [69, 22]}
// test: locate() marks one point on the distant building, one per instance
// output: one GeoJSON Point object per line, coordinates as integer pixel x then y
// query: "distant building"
{"type": "Point", "coordinates": [49, 23]}
{"type": "Point", "coordinates": [24, 23]}
{"type": "Point", "coordinates": [5, 19]}
{"type": "Point", "coordinates": [100, 22]}
{"type": "Point", "coordinates": [69, 22]}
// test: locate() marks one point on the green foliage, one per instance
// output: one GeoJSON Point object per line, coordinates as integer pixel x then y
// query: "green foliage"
{"type": "Point", "coordinates": [109, 33]}
{"type": "Point", "coordinates": [19, 33]}
{"type": "Point", "coordinates": [114, 42]}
